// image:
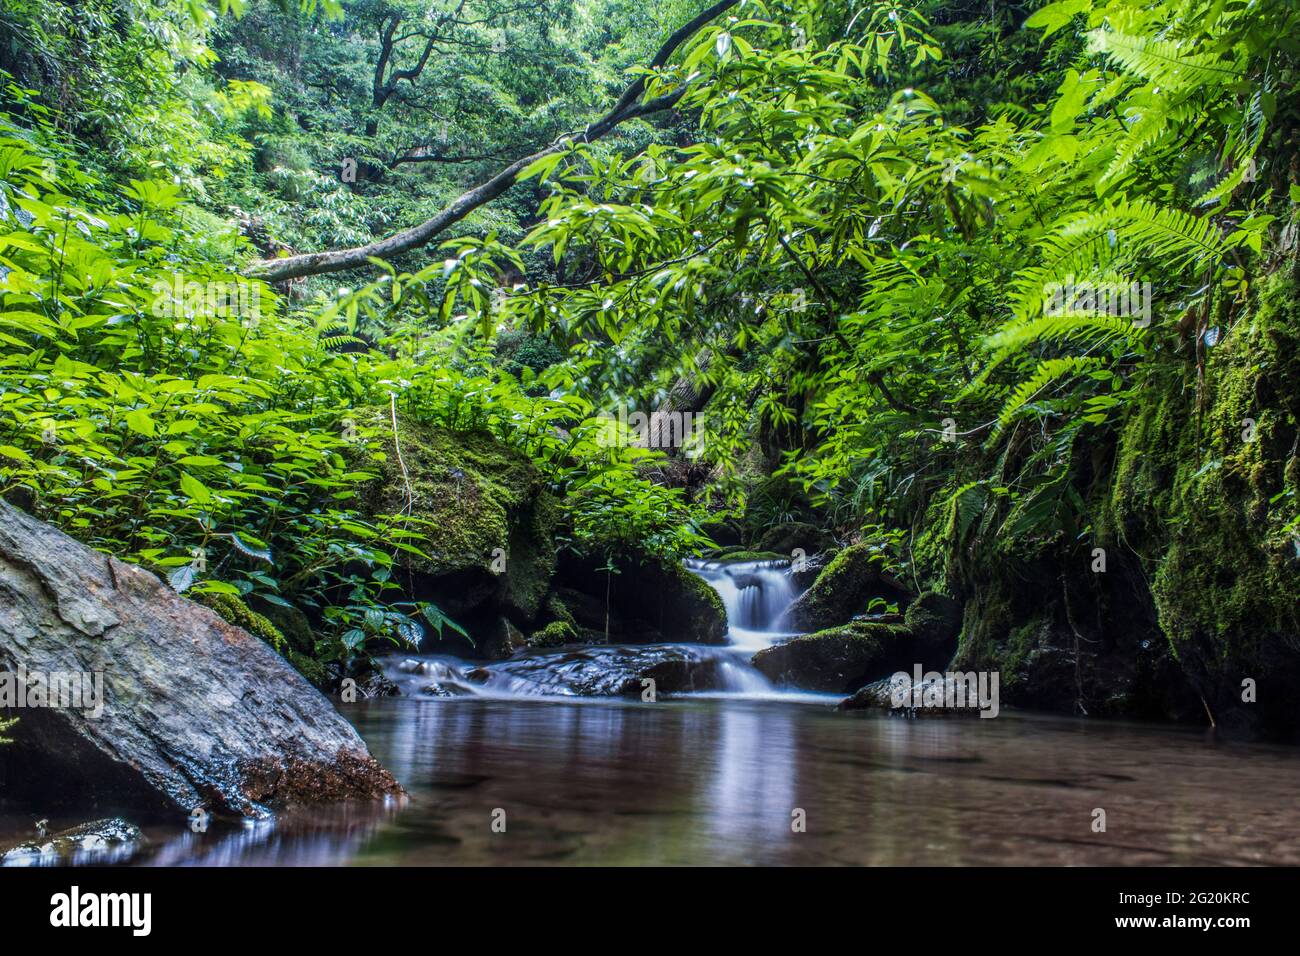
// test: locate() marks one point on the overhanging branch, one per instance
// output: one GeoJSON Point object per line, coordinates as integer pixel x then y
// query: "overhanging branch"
{"type": "Point", "coordinates": [627, 107]}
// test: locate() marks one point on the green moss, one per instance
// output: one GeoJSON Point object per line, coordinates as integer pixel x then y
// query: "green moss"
{"type": "Point", "coordinates": [838, 659]}
{"type": "Point", "coordinates": [843, 588]}
{"type": "Point", "coordinates": [309, 668]}
{"type": "Point", "coordinates": [466, 485]}
{"type": "Point", "coordinates": [557, 610]}
{"type": "Point", "coordinates": [236, 612]}
{"type": "Point", "coordinates": [553, 635]}
{"type": "Point", "coordinates": [1208, 509]}
{"type": "Point", "coordinates": [742, 555]}
{"type": "Point", "coordinates": [477, 503]}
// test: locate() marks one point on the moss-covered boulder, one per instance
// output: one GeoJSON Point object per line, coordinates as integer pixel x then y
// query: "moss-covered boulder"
{"type": "Point", "coordinates": [555, 634]}
{"type": "Point", "coordinates": [935, 622]}
{"type": "Point", "coordinates": [645, 600]}
{"type": "Point", "coordinates": [785, 538]}
{"type": "Point", "coordinates": [839, 659]}
{"type": "Point", "coordinates": [844, 588]}
{"type": "Point", "coordinates": [487, 522]}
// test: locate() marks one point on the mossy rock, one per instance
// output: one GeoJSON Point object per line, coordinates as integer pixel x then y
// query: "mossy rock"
{"type": "Point", "coordinates": [677, 603]}
{"type": "Point", "coordinates": [647, 601]}
{"type": "Point", "coordinates": [935, 621]}
{"type": "Point", "coordinates": [786, 538]}
{"type": "Point", "coordinates": [555, 634]}
{"type": "Point", "coordinates": [843, 589]}
{"type": "Point", "coordinates": [234, 611]}
{"type": "Point", "coordinates": [741, 554]}
{"type": "Point", "coordinates": [1218, 504]}
{"type": "Point", "coordinates": [490, 532]}
{"type": "Point", "coordinates": [839, 659]}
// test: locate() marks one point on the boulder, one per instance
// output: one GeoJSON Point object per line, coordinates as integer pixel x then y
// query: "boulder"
{"type": "Point", "coordinates": [935, 622]}
{"type": "Point", "coordinates": [650, 601]}
{"type": "Point", "coordinates": [785, 538]}
{"type": "Point", "coordinates": [485, 518]}
{"type": "Point", "coordinates": [194, 711]}
{"type": "Point", "coordinates": [838, 659]}
{"type": "Point", "coordinates": [843, 589]}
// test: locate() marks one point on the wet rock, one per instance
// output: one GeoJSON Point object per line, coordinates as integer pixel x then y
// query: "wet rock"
{"type": "Point", "coordinates": [502, 641]}
{"type": "Point", "coordinates": [682, 676]}
{"type": "Point", "coordinates": [838, 659]}
{"type": "Point", "coordinates": [375, 684]}
{"type": "Point", "coordinates": [935, 622]}
{"type": "Point", "coordinates": [845, 587]}
{"type": "Point", "coordinates": [898, 694]}
{"type": "Point", "coordinates": [784, 539]}
{"type": "Point", "coordinates": [101, 841]}
{"type": "Point", "coordinates": [606, 671]}
{"type": "Point", "coordinates": [195, 711]}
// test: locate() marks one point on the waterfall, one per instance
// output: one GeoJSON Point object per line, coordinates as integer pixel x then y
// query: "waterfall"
{"type": "Point", "coordinates": [755, 594]}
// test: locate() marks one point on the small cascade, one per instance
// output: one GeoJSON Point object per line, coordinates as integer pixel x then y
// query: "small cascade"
{"type": "Point", "coordinates": [756, 595]}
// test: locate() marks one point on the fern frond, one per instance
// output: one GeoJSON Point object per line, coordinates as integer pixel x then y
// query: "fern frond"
{"type": "Point", "coordinates": [1059, 328]}
{"type": "Point", "coordinates": [1166, 63]}
{"type": "Point", "coordinates": [1048, 371]}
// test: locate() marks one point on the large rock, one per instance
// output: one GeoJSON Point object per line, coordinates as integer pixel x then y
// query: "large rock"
{"type": "Point", "coordinates": [195, 711]}
{"type": "Point", "coordinates": [646, 601]}
{"type": "Point", "coordinates": [785, 538]}
{"type": "Point", "coordinates": [844, 588]}
{"type": "Point", "coordinates": [935, 622]}
{"type": "Point", "coordinates": [839, 659]}
{"type": "Point", "coordinates": [486, 524]}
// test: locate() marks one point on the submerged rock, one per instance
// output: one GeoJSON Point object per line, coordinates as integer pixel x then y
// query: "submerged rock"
{"type": "Point", "coordinates": [192, 711]}
{"type": "Point", "coordinates": [838, 659]}
{"type": "Point", "coordinates": [101, 841]}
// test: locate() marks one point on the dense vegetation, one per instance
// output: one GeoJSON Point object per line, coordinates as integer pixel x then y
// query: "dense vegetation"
{"type": "Point", "coordinates": [844, 240]}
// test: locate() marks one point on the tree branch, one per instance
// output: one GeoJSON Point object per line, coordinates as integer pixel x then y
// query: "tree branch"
{"type": "Point", "coordinates": [627, 107]}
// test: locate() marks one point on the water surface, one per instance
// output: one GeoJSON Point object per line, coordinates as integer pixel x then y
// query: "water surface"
{"type": "Point", "coordinates": [715, 781]}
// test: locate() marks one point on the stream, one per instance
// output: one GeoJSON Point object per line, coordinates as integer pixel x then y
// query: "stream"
{"type": "Point", "coordinates": [556, 757]}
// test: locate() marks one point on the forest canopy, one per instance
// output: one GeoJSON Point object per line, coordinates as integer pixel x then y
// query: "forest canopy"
{"type": "Point", "coordinates": [928, 272]}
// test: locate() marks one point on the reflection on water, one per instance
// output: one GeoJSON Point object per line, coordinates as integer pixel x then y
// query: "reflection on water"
{"type": "Point", "coordinates": [716, 781]}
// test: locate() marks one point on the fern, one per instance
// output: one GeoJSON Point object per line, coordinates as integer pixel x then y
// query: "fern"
{"type": "Point", "coordinates": [1164, 63]}
{"type": "Point", "coordinates": [1047, 372]}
